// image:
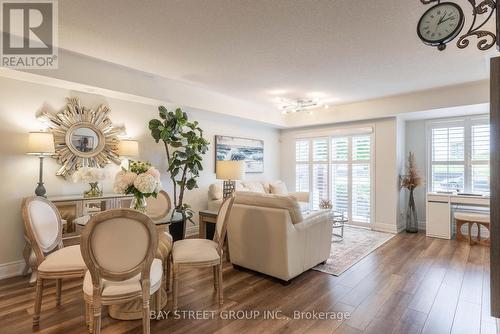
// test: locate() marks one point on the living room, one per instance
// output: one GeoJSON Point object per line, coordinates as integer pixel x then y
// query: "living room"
{"type": "Point", "coordinates": [253, 166]}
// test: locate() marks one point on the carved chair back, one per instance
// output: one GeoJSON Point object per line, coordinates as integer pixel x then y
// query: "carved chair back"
{"type": "Point", "coordinates": [222, 220]}
{"type": "Point", "coordinates": [117, 245]}
{"type": "Point", "coordinates": [43, 226]}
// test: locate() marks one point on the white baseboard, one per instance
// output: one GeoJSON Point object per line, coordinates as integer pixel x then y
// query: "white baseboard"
{"type": "Point", "coordinates": [11, 269]}
{"type": "Point", "coordinates": [421, 225]}
{"type": "Point", "coordinates": [382, 227]}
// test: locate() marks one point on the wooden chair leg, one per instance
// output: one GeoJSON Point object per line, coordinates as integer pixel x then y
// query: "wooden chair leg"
{"type": "Point", "coordinates": [96, 315]}
{"type": "Point", "coordinates": [459, 225]}
{"type": "Point", "coordinates": [175, 286]}
{"type": "Point", "coordinates": [145, 316]}
{"type": "Point", "coordinates": [470, 234]}
{"type": "Point", "coordinates": [158, 302]}
{"type": "Point", "coordinates": [169, 269]}
{"type": "Point", "coordinates": [38, 301]}
{"type": "Point", "coordinates": [91, 317]}
{"type": "Point", "coordinates": [87, 318]}
{"type": "Point", "coordinates": [58, 291]}
{"type": "Point", "coordinates": [216, 277]}
{"type": "Point", "coordinates": [220, 285]}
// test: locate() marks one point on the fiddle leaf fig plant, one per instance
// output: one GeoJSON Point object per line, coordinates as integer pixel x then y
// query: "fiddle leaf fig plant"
{"type": "Point", "coordinates": [185, 147]}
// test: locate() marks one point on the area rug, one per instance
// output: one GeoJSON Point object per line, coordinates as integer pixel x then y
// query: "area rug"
{"type": "Point", "coordinates": [356, 244]}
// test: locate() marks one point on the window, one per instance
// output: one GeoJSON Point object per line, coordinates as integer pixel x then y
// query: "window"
{"type": "Point", "coordinates": [338, 169]}
{"type": "Point", "coordinates": [459, 155]}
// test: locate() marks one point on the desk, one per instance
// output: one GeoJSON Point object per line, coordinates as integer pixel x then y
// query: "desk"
{"type": "Point", "coordinates": [439, 211]}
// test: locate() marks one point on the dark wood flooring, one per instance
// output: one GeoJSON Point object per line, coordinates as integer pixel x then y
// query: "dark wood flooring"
{"type": "Point", "coordinates": [412, 284]}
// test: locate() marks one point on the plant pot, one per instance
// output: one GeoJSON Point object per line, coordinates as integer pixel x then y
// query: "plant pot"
{"type": "Point", "coordinates": [177, 229]}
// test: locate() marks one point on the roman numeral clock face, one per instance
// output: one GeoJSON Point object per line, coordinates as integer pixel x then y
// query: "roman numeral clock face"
{"type": "Point", "coordinates": [441, 24]}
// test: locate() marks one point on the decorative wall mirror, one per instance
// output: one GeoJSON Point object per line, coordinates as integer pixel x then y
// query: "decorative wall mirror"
{"type": "Point", "coordinates": [83, 136]}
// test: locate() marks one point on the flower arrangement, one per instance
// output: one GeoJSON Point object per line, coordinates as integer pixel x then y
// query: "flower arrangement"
{"type": "Point", "coordinates": [141, 180]}
{"type": "Point", "coordinates": [412, 178]}
{"type": "Point", "coordinates": [92, 176]}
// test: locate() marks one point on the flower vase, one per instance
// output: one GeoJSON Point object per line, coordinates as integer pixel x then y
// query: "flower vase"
{"type": "Point", "coordinates": [94, 191]}
{"type": "Point", "coordinates": [411, 215]}
{"type": "Point", "coordinates": [139, 204]}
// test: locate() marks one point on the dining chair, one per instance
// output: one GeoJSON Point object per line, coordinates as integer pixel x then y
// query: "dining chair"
{"type": "Point", "coordinates": [119, 247]}
{"type": "Point", "coordinates": [203, 252]}
{"type": "Point", "coordinates": [43, 227]}
{"type": "Point", "coordinates": [157, 209]}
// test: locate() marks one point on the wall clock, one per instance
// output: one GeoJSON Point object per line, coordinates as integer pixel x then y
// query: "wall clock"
{"type": "Point", "coordinates": [440, 24]}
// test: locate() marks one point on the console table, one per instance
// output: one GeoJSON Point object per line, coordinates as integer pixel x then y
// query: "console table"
{"type": "Point", "coordinates": [70, 208]}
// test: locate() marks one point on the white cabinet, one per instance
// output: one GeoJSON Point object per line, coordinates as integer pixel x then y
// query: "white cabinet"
{"type": "Point", "coordinates": [438, 217]}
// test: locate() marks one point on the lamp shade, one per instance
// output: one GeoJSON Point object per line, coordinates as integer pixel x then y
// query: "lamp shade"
{"type": "Point", "coordinates": [41, 143]}
{"type": "Point", "coordinates": [230, 170]}
{"type": "Point", "coordinates": [128, 148]}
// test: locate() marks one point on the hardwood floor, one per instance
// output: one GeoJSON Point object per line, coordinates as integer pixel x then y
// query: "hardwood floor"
{"type": "Point", "coordinates": [412, 284]}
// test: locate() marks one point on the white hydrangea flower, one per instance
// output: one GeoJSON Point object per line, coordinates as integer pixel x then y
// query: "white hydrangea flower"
{"type": "Point", "coordinates": [154, 173]}
{"type": "Point", "coordinates": [145, 183]}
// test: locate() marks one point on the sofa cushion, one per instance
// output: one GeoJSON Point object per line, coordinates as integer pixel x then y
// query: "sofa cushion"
{"type": "Point", "coordinates": [278, 188]}
{"type": "Point", "coordinates": [215, 190]}
{"type": "Point", "coordinates": [254, 186]}
{"type": "Point", "coordinates": [288, 203]}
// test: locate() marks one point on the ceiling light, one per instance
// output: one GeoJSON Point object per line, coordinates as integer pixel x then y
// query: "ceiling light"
{"type": "Point", "coordinates": [298, 105]}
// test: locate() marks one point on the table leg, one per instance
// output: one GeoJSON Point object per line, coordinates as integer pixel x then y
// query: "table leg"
{"type": "Point", "coordinates": [202, 228]}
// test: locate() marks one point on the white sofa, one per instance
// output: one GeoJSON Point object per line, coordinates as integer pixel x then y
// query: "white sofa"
{"type": "Point", "coordinates": [263, 187]}
{"type": "Point", "coordinates": [270, 234]}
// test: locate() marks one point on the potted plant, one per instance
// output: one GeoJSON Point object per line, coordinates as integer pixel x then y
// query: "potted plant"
{"type": "Point", "coordinates": [185, 147]}
{"type": "Point", "coordinates": [411, 181]}
{"type": "Point", "coordinates": [141, 180]}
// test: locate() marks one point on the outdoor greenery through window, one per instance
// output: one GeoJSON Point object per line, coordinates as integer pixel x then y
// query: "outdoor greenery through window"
{"type": "Point", "coordinates": [459, 152]}
{"type": "Point", "coordinates": [338, 169]}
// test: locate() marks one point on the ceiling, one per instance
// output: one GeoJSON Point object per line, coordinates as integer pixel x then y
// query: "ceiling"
{"type": "Point", "coordinates": [258, 50]}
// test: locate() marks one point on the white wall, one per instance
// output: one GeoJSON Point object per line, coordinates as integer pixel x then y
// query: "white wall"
{"type": "Point", "coordinates": [19, 103]}
{"type": "Point", "coordinates": [386, 192]}
{"type": "Point", "coordinates": [416, 142]}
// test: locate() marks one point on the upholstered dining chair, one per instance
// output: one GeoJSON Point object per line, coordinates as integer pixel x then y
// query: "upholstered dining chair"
{"type": "Point", "coordinates": [203, 252]}
{"type": "Point", "coordinates": [157, 209]}
{"type": "Point", "coordinates": [43, 227]}
{"type": "Point", "coordinates": [119, 247]}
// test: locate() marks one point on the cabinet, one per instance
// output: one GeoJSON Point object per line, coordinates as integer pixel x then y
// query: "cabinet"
{"type": "Point", "coordinates": [438, 217]}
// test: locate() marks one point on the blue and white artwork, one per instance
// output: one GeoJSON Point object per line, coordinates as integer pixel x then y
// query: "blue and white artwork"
{"type": "Point", "coordinates": [235, 148]}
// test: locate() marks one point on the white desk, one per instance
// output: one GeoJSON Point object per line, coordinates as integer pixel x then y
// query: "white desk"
{"type": "Point", "coordinates": [439, 212]}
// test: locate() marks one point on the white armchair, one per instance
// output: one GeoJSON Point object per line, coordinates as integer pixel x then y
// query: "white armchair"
{"type": "Point", "coordinates": [271, 235]}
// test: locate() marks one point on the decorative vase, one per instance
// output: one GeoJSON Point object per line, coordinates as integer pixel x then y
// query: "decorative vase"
{"type": "Point", "coordinates": [139, 203]}
{"type": "Point", "coordinates": [411, 215]}
{"type": "Point", "coordinates": [94, 190]}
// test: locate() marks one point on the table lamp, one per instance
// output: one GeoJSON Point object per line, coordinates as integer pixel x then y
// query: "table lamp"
{"type": "Point", "coordinates": [41, 144]}
{"type": "Point", "coordinates": [229, 171]}
{"type": "Point", "coordinates": [128, 148]}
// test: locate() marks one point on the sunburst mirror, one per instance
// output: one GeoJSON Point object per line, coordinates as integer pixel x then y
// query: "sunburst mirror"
{"type": "Point", "coordinates": [83, 136]}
